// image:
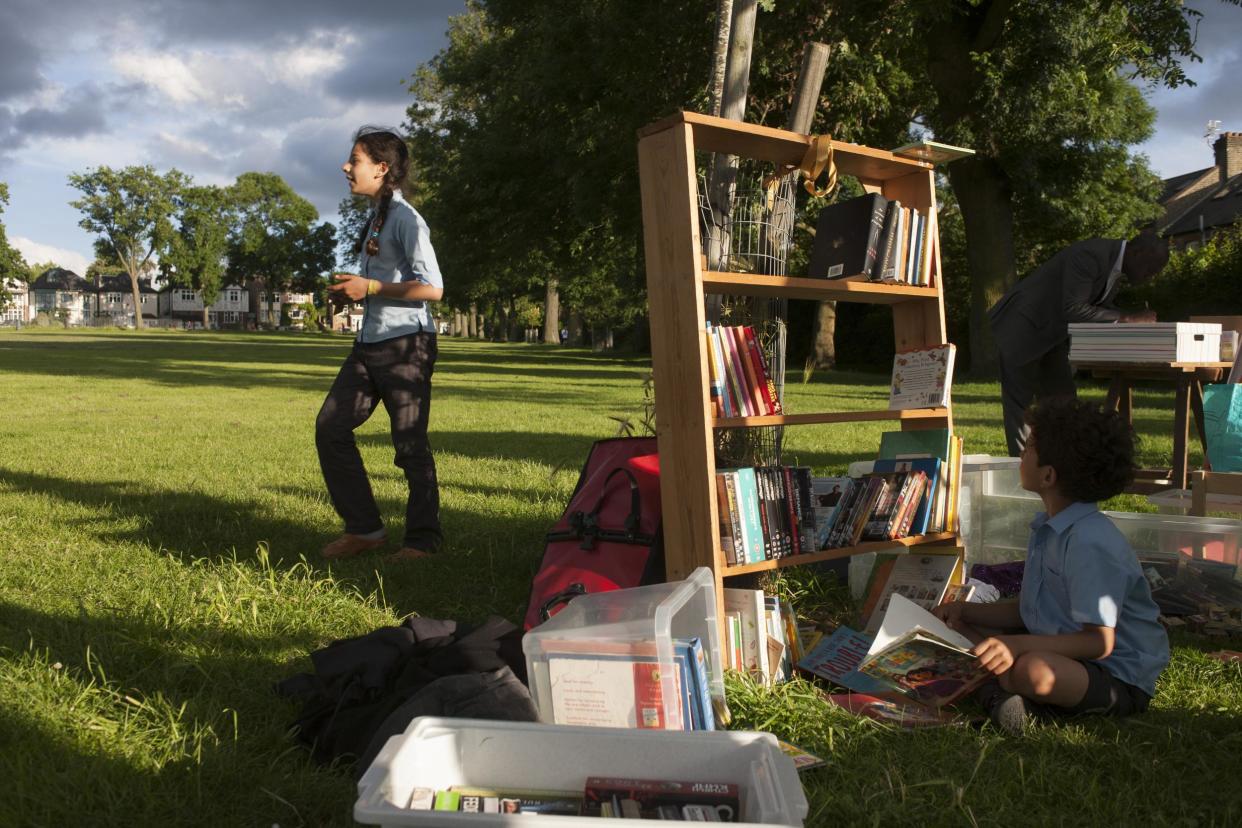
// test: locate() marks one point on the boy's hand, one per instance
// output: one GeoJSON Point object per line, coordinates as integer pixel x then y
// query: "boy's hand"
{"type": "Point", "coordinates": [950, 613]}
{"type": "Point", "coordinates": [347, 284]}
{"type": "Point", "coordinates": [996, 654]}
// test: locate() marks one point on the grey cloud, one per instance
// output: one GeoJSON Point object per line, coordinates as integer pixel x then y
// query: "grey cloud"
{"type": "Point", "coordinates": [80, 112]}
{"type": "Point", "coordinates": [19, 59]}
{"type": "Point", "coordinates": [379, 77]}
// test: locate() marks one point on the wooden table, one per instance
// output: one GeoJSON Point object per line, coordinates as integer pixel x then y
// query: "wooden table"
{"type": "Point", "coordinates": [1188, 379]}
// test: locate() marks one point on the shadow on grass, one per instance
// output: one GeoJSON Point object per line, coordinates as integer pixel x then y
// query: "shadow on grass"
{"type": "Point", "coordinates": [179, 686]}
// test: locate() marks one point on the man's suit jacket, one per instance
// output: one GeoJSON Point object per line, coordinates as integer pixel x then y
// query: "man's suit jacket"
{"type": "Point", "coordinates": [1034, 316]}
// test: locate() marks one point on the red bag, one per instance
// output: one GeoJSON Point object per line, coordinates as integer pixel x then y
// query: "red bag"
{"type": "Point", "coordinates": [609, 534]}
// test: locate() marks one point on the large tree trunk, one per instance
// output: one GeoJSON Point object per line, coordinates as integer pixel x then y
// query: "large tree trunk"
{"type": "Point", "coordinates": [720, 53]}
{"type": "Point", "coordinates": [824, 354]}
{"type": "Point", "coordinates": [206, 319]}
{"type": "Point", "coordinates": [133, 286]}
{"type": "Point", "coordinates": [985, 197]}
{"type": "Point", "coordinates": [472, 322]}
{"type": "Point", "coordinates": [552, 313]}
{"type": "Point", "coordinates": [576, 327]}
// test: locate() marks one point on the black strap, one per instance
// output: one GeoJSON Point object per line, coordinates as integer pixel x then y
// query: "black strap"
{"type": "Point", "coordinates": [585, 525]}
{"type": "Point", "coordinates": [563, 597]}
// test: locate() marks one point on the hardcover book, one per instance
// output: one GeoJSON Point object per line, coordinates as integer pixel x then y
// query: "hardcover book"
{"type": "Point", "coordinates": [932, 152]}
{"type": "Point", "coordinates": [836, 657]}
{"type": "Point", "coordinates": [847, 237]}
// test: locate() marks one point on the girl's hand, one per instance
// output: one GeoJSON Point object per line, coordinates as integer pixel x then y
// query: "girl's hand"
{"type": "Point", "coordinates": [996, 655]}
{"type": "Point", "coordinates": [351, 286]}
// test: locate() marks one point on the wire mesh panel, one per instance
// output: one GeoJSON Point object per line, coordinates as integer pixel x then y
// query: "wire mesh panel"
{"type": "Point", "coordinates": [748, 222]}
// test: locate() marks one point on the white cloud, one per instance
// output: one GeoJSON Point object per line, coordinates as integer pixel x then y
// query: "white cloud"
{"type": "Point", "coordinates": [33, 251]}
{"type": "Point", "coordinates": [165, 72]}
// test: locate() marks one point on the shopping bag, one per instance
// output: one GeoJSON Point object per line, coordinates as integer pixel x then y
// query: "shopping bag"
{"type": "Point", "coordinates": [1222, 416]}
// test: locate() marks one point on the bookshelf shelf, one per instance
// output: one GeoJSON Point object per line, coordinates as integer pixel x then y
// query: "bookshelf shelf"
{"type": "Point", "coordinates": [836, 554]}
{"type": "Point", "coordinates": [853, 289]}
{"type": "Point", "coordinates": [669, 154]}
{"type": "Point", "coordinates": [940, 414]}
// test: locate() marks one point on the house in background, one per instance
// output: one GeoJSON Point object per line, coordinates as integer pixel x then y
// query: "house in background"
{"type": "Point", "coordinates": [17, 312]}
{"type": "Point", "coordinates": [186, 304]}
{"type": "Point", "coordinates": [268, 305]}
{"type": "Point", "coordinates": [114, 301]}
{"type": "Point", "coordinates": [63, 294]}
{"type": "Point", "coordinates": [1197, 204]}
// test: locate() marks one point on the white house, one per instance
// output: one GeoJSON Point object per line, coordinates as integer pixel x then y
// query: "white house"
{"type": "Point", "coordinates": [63, 294]}
{"type": "Point", "coordinates": [267, 305]}
{"type": "Point", "coordinates": [17, 312]}
{"type": "Point", "coordinates": [230, 307]}
{"type": "Point", "coordinates": [114, 300]}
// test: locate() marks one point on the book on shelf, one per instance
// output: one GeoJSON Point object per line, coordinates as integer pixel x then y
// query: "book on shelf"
{"type": "Point", "coordinates": [661, 799]}
{"type": "Point", "coordinates": [740, 384]}
{"type": "Point", "coordinates": [729, 517]}
{"type": "Point", "coordinates": [885, 268]}
{"type": "Point", "coordinates": [827, 496]}
{"type": "Point", "coordinates": [906, 248]}
{"type": "Point", "coordinates": [922, 377]}
{"type": "Point", "coordinates": [937, 443]}
{"type": "Point", "coordinates": [847, 237]}
{"type": "Point", "coordinates": [922, 577]}
{"type": "Point", "coordinates": [920, 519]}
{"type": "Point", "coordinates": [932, 152]}
{"type": "Point", "coordinates": [919, 656]}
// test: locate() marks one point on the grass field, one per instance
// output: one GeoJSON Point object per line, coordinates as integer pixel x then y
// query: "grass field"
{"type": "Point", "coordinates": [161, 512]}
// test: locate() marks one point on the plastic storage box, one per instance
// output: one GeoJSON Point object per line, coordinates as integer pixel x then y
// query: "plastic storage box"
{"type": "Point", "coordinates": [607, 621]}
{"type": "Point", "coordinates": [996, 512]}
{"type": "Point", "coordinates": [1177, 502]}
{"type": "Point", "coordinates": [1156, 537]}
{"type": "Point", "coordinates": [438, 753]}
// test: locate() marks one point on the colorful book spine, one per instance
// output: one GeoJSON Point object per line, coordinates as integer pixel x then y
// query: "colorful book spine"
{"type": "Point", "coordinates": [702, 684]}
{"type": "Point", "coordinates": [765, 385]}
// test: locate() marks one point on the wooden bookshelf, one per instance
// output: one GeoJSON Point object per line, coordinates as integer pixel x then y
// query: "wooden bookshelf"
{"type": "Point", "coordinates": [677, 283]}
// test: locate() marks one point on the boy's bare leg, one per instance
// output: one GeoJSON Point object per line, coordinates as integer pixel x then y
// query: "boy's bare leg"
{"type": "Point", "coordinates": [1046, 678]}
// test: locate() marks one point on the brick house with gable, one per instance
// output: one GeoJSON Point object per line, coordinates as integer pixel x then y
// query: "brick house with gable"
{"type": "Point", "coordinates": [1197, 204]}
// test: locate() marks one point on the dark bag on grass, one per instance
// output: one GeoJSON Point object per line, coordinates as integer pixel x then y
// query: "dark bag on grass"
{"type": "Point", "coordinates": [609, 535]}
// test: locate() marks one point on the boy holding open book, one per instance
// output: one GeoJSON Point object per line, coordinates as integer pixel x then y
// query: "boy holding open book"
{"type": "Point", "coordinates": [1088, 639]}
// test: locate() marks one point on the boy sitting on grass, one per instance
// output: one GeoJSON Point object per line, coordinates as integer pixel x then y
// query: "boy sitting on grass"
{"type": "Point", "coordinates": [1088, 638]}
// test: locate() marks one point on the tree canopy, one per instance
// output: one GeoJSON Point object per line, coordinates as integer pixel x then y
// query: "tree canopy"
{"type": "Point", "coordinates": [12, 265]}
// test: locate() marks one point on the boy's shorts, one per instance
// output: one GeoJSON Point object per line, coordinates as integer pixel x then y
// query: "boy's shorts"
{"type": "Point", "coordinates": [1107, 695]}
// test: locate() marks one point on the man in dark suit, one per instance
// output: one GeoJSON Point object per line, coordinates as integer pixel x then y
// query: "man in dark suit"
{"type": "Point", "coordinates": [1030, 323]}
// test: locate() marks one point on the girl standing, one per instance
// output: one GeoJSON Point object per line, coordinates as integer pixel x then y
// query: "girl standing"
{"type": "Point", "coordinates": [392, 360]}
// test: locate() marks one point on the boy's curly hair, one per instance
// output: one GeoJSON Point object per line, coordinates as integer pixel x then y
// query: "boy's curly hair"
{"type": "Point", "coordinates": [1091, 449]}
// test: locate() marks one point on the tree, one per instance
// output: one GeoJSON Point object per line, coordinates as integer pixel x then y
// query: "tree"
{"type": "Point", "coordinates": [198, 252]}
{"type": "Point", "coordinates": [35, 270]}
{"type": "Point", "coordinates": [354, 211]}
{"type": "Point", "coordinates": [1042, 92]}
{"type": "Point", "coordinates": [275, 237]}
{"type": "Point", "coordinates": [12, 265]}
{"type": "Point", "coordinates": [131, 209]}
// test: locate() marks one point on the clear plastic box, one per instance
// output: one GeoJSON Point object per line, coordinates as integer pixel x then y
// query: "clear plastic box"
{"type": "Point", "coordinates": [996, 512]}
{"type": "Point", "coordinates": [1177, 502]}
{"type": "Point", "coordinates": [1168, 537]}
{"type": "Point", "coordinates": [438, 753]}
{"type": "Point", "coordinates": [658, 613]}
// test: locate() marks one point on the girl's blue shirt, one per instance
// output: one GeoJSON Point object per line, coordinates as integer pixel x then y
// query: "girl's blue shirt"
{"type": "Point", "coordinates": [405, 255]}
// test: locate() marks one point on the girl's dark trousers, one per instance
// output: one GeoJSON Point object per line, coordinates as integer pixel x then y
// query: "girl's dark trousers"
{"type": "Point", "coordinates": [398, 372]}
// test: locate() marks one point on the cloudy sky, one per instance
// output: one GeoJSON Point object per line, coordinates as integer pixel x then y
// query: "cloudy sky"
{"type": "Point", "coordinates": [220, 87]}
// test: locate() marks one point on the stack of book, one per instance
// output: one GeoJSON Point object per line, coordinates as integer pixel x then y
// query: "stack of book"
{"type": "Point", "coordinates": [761, 635]}
{"type": "Point", "coordinates": [1145, 342]}
{"type": "Point", "coordinates": [617, 683]}
{"type": "Point", "coordinates": [740, 385]}
{"type": "Point", "coordinates": [877, 238]}
{"type": "Point", "coordinates": [764, 513]}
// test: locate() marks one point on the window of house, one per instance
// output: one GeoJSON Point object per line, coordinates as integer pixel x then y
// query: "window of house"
{"type": "Point", "coordinates": [234, 295]}
{"type": "Point", "coordinates": [66, 298]}
{"type": "Point", "coordinates": [187, 295]}
{"type": "Point", "coordinates": [115, 298]}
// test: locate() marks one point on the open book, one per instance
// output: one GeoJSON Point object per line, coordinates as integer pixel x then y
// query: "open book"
{"type": "Point", "coordinates": [919, 656]}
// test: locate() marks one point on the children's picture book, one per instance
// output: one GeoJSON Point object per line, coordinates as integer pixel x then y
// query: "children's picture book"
{"type": "Point", "coordinates": [905, 714]}
{"type": "Point", "coordinates": [803, 760]}
{"type": "Point", "coordinates": [836, 657]}
{"type": "Point", "coordinates": [919, 656]}
{"type": "Point", "coordinates": [923, 578]}
{"type": "Point", "coordinates": [922, 378]}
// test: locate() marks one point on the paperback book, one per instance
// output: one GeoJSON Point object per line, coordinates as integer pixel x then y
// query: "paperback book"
{"type": "Point", "coordinates": [919, 656]}
{"type": "Point", "coordinates": [922, 378]}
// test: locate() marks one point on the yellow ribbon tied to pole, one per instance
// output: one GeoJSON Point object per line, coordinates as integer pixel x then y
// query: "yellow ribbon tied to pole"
{"type": "Point", "coordinates": [816, 161]}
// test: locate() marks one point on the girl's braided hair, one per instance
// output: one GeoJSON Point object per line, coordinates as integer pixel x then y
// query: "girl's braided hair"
{"type": "Point", "coordinates": [383, 146]}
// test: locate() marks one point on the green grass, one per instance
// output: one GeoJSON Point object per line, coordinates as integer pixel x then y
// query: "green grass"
{"type": "Point", "coordinates": [161, 512]}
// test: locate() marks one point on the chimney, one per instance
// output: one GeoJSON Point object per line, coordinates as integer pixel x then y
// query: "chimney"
{"type": "Point", "coordinates": [1228, 154]}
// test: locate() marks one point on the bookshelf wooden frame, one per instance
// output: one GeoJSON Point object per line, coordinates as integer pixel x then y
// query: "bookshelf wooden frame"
{"type": "Point", "coordinates": [677, 283]}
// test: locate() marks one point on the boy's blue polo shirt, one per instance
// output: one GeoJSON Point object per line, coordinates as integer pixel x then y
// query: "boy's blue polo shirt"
{"type": "Point", "coordinates": [1080, 570]}
{"type": "Point", "coordinates": [406, 255]}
